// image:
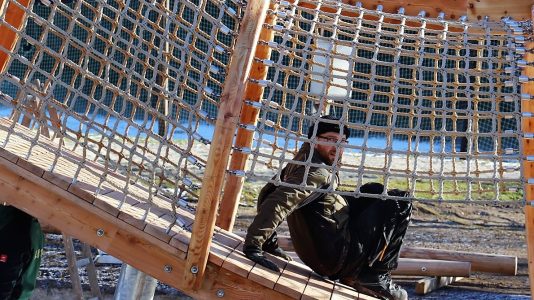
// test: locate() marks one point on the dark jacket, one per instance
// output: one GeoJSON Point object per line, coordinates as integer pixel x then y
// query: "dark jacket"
{"type": "Point", "coordinates": [323, 246]}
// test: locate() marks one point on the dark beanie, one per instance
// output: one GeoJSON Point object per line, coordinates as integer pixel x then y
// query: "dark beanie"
{"type": "Point", "coordinates": [323, 127]}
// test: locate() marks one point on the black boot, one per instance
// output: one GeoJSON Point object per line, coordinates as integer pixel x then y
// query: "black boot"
{"type": "Point", "coordinates": [382, 286]}
{"type": "Point", "coordinates": [271, 246]}
{"type": "Point", "coordinates": [256, 255]}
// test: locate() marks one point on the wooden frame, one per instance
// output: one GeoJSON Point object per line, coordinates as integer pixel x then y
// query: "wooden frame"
{"type": "Point", "coordinates": [225, 127]}
{"type": "Point", "coordinates": [453, 9]}
{"type": "Point", "coordinates": [68, 212]}
{"type": "Point", "coordinates": [78, 217]}
{"type": "Point", "coordinates": [249, 115]}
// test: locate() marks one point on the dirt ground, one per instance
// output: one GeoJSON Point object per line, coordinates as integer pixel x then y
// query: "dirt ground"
{"type": "Point", "coordinates": [488, 229]}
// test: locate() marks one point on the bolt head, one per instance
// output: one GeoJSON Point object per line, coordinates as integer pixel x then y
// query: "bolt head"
{"type": "Point", "coordinates": [100, 232]}
{"type": "Point", "coordinates": [220, 293]}
{"type": "Point", "coordinates": [194, 269]}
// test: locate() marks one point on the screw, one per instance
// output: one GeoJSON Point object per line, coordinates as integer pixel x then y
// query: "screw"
{"type": "Point", "coordinates": [194, 269]}
{"type": "Point", "coordinates": [220, 293]}
{"type": "Point", "coordinates": [100, 232]}
{"type": "Point", "coordinates": [167, 269]}
{"type": "Point", "coordinates": [423, 269]}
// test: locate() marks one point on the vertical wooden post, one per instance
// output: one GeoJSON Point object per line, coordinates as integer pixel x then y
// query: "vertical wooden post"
{"type": "Point", "coordinates": [528, 150]}
{"type": "Point", "coordinates": [14, 16]}
{"type": "Point", "coordinates": [225, 128]}
{"type": "Point", "coordinates": [249, 115]}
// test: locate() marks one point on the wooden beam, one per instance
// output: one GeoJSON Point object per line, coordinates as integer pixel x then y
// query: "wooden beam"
{"type": "Point", "coordinates": [14, 16]}
{"type": "Point", "coordinates": [225, 127]}
{"type": "Point", "coordinates": [429, 267]}
{"type": "Point", "coordinates": [249, 115]}
{"type": "Point", "coordinates": [453, 9]}
{"type": "Point", "coordinates": [76, 217]}
{"type": "Point", "coordinates": [528, 88]}
{"type": "Point", "coordinates": [427, 285]}
{"type": "Point", "coordinates": [496, 9]}
{"type": "Point", "coordinates": [480, 262]}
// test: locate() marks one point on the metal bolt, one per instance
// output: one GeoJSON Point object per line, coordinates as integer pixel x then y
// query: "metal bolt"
{"type": "Point", "coordinates": [423, 269]}
{"type": "Point", "coordinates": [100, 232]}
{"type": "Point", "coordinates": [220, 293]}
{"type": "Point", "coordinates": [167, 269]}
{"type": "Point", "coordinates": [194, 269]}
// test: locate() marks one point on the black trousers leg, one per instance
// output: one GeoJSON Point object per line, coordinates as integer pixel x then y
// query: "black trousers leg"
{"type": "Point", "coordinates": [377, 229]}
{"type": "Point", "coordinates": [271, 243]}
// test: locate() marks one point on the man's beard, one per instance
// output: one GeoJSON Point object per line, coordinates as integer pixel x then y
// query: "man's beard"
{"type": "Point", "coordinates": [326, 158]}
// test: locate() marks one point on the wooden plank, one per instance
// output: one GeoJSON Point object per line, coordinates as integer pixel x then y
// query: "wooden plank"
{"type": "Point", "coordinates": [267, 277]}
{"type": "Point", "coordinates": [57, 179]}
{"type": "Point", "coordinates": [110, 202]}
{"type": "Point", "coordinates": [318, 288]}
{"type": "Point", "coordinates": [427, 285]}
{"type": "Point", "coordinates": [293, 280]}
{"type": "Point", "coordinates": [225, 126]}
{"type": "Point", "coordinates": [428, 267]}
{"type": "Point", "coordinates": [219, 253]}
{"type": "Point", "coordinates": [30, 167]}
{"type": "Point", "coordinates": [16, 17]}
{"type": "Point", "coordinates": [238, 264]}
{"type": "Point", "coordinates": [8, 155]}
{"type": "Point", "coordinates": [222, 246]}
{"type": "Point", "coordinates": [134, 215]}
{"type": "Point", "coordinates": [158, 228]}
{"type": "Point", "coordinates": [82, 190]}
{"type": "Point", "coordinates": [249, 115]}
{"type": "Point", "coordinates": [76, 217]}
{"type": "Point", "coordinates": [480, 262]}
{"type": "Point", "coordinates": [528, 88]}
{"type": "Point", "coordinates": [343, 292]}
{"type": "Point", "coordinates": [227, 238]}
{"type": "Point", "coordinates": [181, 240]}
{"type": "Point", "coordinates": [232, 286]}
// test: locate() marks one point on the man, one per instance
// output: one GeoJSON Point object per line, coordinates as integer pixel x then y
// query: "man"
{"type": "Point", "coordinates": [21, 243]}
{"type": "Point", "coordinates": [355, 240]}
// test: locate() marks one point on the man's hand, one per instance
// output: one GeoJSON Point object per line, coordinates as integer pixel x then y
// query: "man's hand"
{"type": "Point", "coordinates": [256, 255]}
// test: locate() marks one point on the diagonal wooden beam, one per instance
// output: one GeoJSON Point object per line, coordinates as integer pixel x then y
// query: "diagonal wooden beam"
{"type": "Point", "coordinates": [249, 115]}
{"type": "Point", "coordinates": [225, 127]}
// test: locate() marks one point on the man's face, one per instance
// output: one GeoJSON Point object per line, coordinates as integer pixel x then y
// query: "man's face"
{"type": "Point", "coordinates": [328, 151]}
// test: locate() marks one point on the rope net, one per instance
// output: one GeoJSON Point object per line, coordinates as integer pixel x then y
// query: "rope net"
{"type": "Point", "coordinates": [433, 106]}
{"type": "Point", "coordinates": [132, 85]}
